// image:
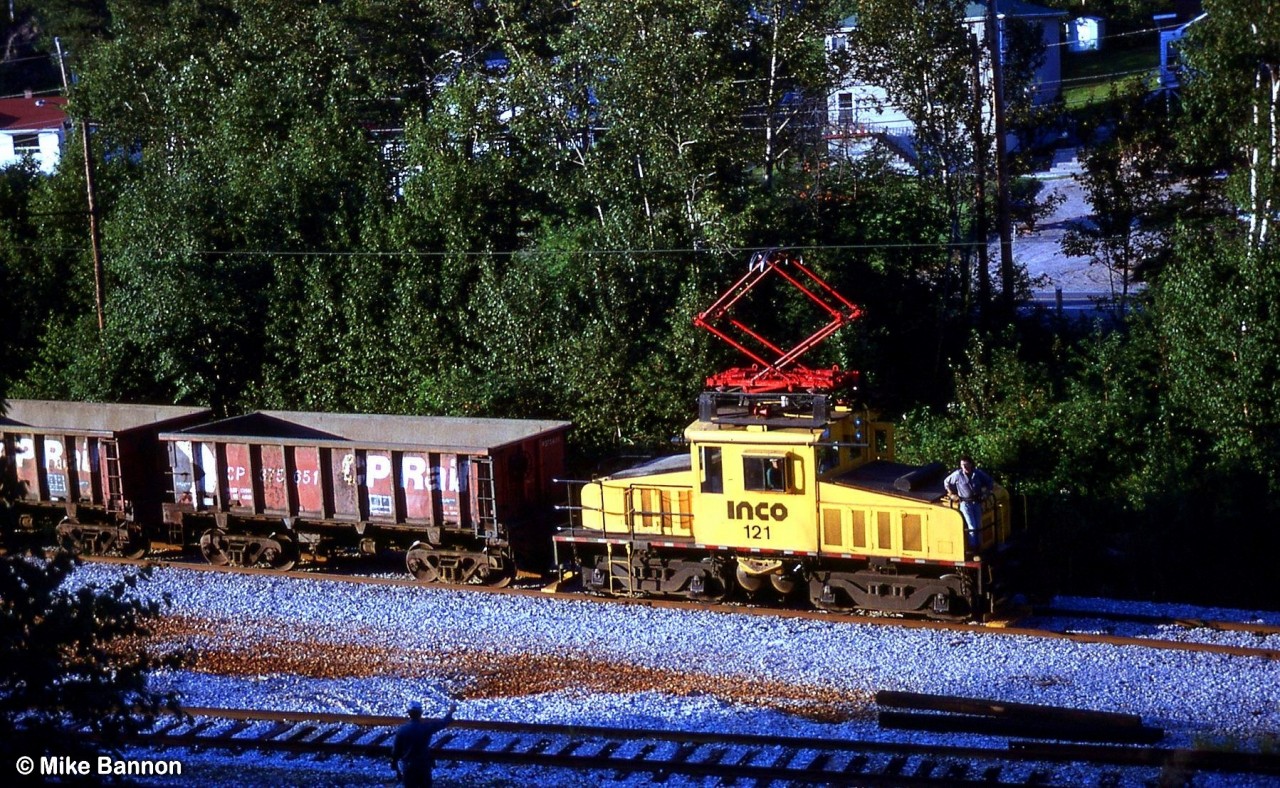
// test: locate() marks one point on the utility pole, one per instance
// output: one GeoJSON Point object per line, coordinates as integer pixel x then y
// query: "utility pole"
{"type": "Point", "coordinates": [995, 42]}
{"type": "Point", "coordinates": [95, 241]}
{"type": "Point", "coordinates": [980, 182]}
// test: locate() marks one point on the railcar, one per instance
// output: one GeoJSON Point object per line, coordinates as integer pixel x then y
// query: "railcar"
{"type": "Point", "coordinates": [467, 499]}
{"type": "Point", "coordinates": [92, 469]}
{"type": "Point", "coordinates": [790, 495]}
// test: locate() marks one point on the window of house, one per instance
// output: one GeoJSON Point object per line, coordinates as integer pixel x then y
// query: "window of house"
{"type": "Point", "coordinates": [845, 115]}
{"type": "Point", "coordinates": [26, 143]}
{"type": "Point", "coordinates": [764, 474]}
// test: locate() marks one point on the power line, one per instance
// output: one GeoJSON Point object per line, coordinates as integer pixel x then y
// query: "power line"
{"type": "Point", "coordinates": [34, 93]}
{"type": "Point", "coordinates": [160, 252]}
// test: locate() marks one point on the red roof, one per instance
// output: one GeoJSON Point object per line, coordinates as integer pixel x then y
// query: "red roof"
{"type": "Point", "coordinates": [33, 114]}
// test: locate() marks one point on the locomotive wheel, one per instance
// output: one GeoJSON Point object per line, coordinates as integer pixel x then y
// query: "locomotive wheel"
{"type": "Point", "coordinates": [712, 585]}
{"type": "Point", "coordinates": [949, 606]}
{"type": "Point", "coordinates": [823, 597]}
{"type": "Point", "coordinates": [749, 582]}
{"type": "Point", "coordinates": [214, 547]}
{"type": "Point", "coordinates": [785, 585]}
{"type": "Point", "coordinates": [423, 564]}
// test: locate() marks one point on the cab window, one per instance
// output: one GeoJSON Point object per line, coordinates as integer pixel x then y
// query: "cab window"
{"type": "Point", "coordinates": [712, 470]}
{"type": "Point", "coordinates": [764, 474]}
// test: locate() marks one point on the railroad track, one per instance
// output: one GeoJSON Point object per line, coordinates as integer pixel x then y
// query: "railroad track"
{"type": "Point", "coordinates": [1257, 628]}
{"type": "Point", "coordinates": [763, 760]}
{"type": "Point", "coordinates": [1008, 627]}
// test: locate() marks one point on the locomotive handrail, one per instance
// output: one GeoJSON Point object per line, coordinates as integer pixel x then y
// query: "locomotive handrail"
{"type": "Point", "coordinates": [685, 518]}
{"type": "Point", "coordinates": [990, 504]}
{"type": "Point", "coordinates": [575, 523]}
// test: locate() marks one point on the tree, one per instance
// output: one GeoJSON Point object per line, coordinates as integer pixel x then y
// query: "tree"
{"type": "Point", "coordinates": [1220, 330]}
{"type": "Point", "coordinates": [1127, 180]}
{"type": "Point", "coordinates": [73, 659]}
{"type": "Point", "coordinates": [790, 71]}
{"type": "Point", "coordinates": [934, 66]}
{"type": "Point", "coordinates": [240, 169]}
{"type": "Point", "coordinates": [1232, 95]}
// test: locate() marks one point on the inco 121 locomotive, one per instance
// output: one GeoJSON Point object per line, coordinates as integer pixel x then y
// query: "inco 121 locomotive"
{"type": "Point", "coordinates": [789, 490]}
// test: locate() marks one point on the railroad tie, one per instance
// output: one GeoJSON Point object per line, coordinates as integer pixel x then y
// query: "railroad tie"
{"type": "Point", "coordinates": [716, 755]}
{"type": "Point", "coordinates": [569, 748]}
{"type": "Point", "coordinates": [275, 730]}
{"type": "Point", "coordinates": [895, 765]}
{"type": "Point", "coordinates": [857, 764]}
{"type": "Point", "coordinates": [925, 768]}
{"type": "Point", "coordinates": [640, 755]}
{"type": "Point", "coordinates": [784, 759]}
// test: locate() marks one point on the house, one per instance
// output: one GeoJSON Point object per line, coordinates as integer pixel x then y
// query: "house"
{"type": "Point", "coordinates": [1085, 34]}
{"type": "Point", "coordinates": [35, 127]}
{"type": "Point", "coordinates": [1172, 27]}
{"type": "Point", "coordinates": [860, 115]}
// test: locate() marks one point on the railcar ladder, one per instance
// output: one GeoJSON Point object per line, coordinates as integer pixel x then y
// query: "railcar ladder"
{"type": "Point", "coordinates": [115, 492]}
{"type": "Point", "coordinates": [486, 499]}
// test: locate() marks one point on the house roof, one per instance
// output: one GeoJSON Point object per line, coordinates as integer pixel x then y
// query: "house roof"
{"type": "Point", "coordinates": [978, 10]}
{"type": "Point", "coordinates": [33, 114]}
{"type": "Point", "coordinates": [1011, 8]}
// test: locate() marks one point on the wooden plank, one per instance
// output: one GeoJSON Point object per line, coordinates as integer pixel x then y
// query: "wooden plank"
{"type": "Point", "coordinates": [997, 708]}
{"type": "Point", "coordinates": [1020, 727]}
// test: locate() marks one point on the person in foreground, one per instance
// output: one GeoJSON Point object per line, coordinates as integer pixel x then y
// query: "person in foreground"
{"type": "Point", "coordinates": [970, 486]}
{"type": "Point", "coordinates": [412, 756]}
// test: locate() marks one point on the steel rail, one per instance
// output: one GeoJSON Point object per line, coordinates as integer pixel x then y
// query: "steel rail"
{"type": "Point", "coordinates": [762, 758]}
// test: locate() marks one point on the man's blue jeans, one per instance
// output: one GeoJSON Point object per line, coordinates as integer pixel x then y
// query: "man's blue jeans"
{"type": "Point", "coordinates": [972, 513]}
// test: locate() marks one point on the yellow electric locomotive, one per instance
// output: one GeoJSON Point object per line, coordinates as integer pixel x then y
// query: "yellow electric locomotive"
{"type": "Point", "coordinates": [788, 493]}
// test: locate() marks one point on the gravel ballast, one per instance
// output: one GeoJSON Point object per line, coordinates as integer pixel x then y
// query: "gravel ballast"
{"type": "Point", "coordinates": [314, 645]}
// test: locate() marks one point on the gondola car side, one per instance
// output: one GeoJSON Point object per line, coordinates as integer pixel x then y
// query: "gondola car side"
{"type": "Point", "coordinates": [467, 499]}
{"type": "Point", "coordinates": [93, 468]}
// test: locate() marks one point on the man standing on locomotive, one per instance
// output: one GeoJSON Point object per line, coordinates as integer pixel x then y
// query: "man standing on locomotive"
{"type": "Point", "coordinates": [411, 755]}
{"type": "Point", "coordinates": [970, 486]}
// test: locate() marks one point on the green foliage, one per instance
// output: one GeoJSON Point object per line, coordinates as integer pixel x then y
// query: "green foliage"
{"type": "Point", "coordinates": [1232, 100]}
{"type": "Point", "coordinates": [74, 658]}
{"type": "Point", "coordinates": [1220, 329]}
{"type": "Point", "coordinates": [1126, 180]}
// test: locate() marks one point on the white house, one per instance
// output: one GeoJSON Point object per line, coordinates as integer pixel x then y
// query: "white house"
{"type": "Point", "coordinates": [34, 127]}
{"type": "Point", "coordinates": [1085, 34]}
{"type": "Point", "coordinates": [1172, 28]}
{"type": "Point", "coordinates": [860, 115]}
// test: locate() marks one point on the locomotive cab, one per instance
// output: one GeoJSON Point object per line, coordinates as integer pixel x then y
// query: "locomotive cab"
{"type": "Point", "coordinates": [791, 492]}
